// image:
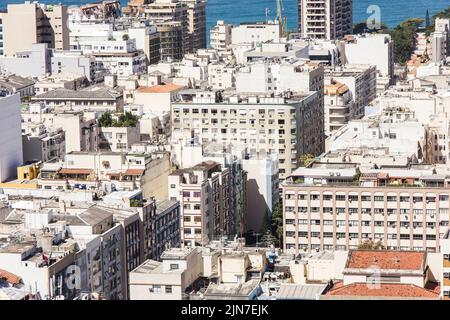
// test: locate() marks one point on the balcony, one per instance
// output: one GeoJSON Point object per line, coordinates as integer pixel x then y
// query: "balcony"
{"type": "Point", "coordinates": [446, 263]}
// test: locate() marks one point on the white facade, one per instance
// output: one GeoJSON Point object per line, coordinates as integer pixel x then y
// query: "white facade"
{"type": "Point", "coordinates": [220, 35]}
{"type": "Point", "coordinates": [256, 33]}
{"type": "Point", "coordinates": [10, 137]}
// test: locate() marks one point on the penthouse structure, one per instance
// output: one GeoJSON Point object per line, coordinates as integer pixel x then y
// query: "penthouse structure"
{"type": "Point", "coordinates": [337, 206]}
{"type": "Point", "coordinates": [288, 124]}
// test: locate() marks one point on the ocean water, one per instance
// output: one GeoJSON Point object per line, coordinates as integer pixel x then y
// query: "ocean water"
{"type": "Point", "coordinates": [236, 11]}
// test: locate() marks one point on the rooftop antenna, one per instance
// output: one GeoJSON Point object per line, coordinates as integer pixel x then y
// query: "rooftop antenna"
{"type": "Point", "coordinates": [267, 15]}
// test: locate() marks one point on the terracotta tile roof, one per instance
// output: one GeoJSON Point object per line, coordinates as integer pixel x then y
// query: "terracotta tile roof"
{"type": "Point", "coordinates": [162, 88]}
{"type": "Point", "coordinates": [382, 290]}
{"type": "Point", "coordinates": [134, 172]}
{"type": "Point", "coordinates": [400, 260]}
{"type": "Point", "coordinates": [10, 277]}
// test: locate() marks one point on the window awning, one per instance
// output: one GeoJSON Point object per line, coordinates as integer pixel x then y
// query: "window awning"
{"type": "Point", "coordinates": [134, 172]}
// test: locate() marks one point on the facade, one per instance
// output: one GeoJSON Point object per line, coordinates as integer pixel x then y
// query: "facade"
{"type": "Point", "coordinates": [40, 145]}
{"type": "Point", "coordinates": [333, 207]}
{"type": "Point", "coordinates": [361, 81]}
{"type": "Point", "coordinates": [30, 23]}
{"type": "Point", "coordinates": [254, 33]}
{"type": "Point", "coordinates": [118, 139]}
{"type": "Point", "coordinates": [204, 192]}
{"type": "Point", "coordinates": [171, 40]}
{"type": "Point", "coordinates": [11, 155]}
{"type": "Point", "coordinates": [338, 106]}
{"type": "Point", "coordinates": [196, 15]}
{"type": "Point", "coordinates": [169, 279]}
{"type": "Point", "coordinates": [220, 35]}
{"type": "Point", "coordinates": [288, 125]}
{"type": "Point", "coordinates": [371, 49]}
{"type": "Point", "coordinates": [325, 19]}
{"type": "Point", "coordinates": [445, 277]}
{"type": "Point", "coordinates": [35, 62]}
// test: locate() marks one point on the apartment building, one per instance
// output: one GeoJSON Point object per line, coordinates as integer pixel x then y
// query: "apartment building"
{"type": "Point", "coordinates": [338, 106]}
{"type": "Point", "coordinates": [171, 40]}
{"type": "Point", "coordinates": [256, 33]}
{"type": "Point", "coordinates": [325, 19]}
{"type": "Point", "coordinates": [445, 277]}
{"type": "Point", "coordinates": [39, 144]}
{"type": "Point", "coordinates": [92, 98]}
{"type": "Point", "coordinates": [107, 172]}
{"type": "Point", "coordinates": [221, 76]}
{"type": "Point", "coordinates": [220, 35]}
{"type": "Point", "coordinates": [34, 62]}
{"type": "Point", "coordinates": [11, 155]}
{"type": "Point", "coordinates": [118, 139]}
{"type": "Point", "coordinates": [169, 279]}
{"type": "Point", "coordinates": [204, 192]}
{"type": "Point", "coordinates": [196, 15]}
{"type": "Point", "coordinates": [371, 49]}
{"type": "Point", "coordinates": [172, 11]}
{"type": "Point", "coordinates": [288, 125]}
{"type": "Point", "coordinates": [293, 74]}
{"type": "Point", "coordinates": [337, 206]}
{"type": "Point", "coordinates": [29, 23]}
{"type": "Point", "coordinates": [361, 81]}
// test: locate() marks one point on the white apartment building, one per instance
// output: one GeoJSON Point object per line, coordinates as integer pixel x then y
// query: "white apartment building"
{"type": "Point", "coordinates": [220, 35]}
{"type": "Point", "coordinates": [325, 19]}
{"type": "Point", "coordinates": [118, 139]}
{"type": "Point", "coordinates": [291, 75]}
{"type": "Point", "coordinates": [439, 45]}
{"type": "Point", "coordinates": [395, 129]}
{"type": "Point", "coordinates": [288, 125]}
{"type": "Point", "coordinates": [361, 81]}
{"type": "Point", "coordinates": [255, 33]}
{"type": "Point", "coordinates": [371, 49]}
{"type": "Point", "coordinates": [105, 172]}
{"type": "Point", "coordinates": [338, 106]}
{"type": "Point", "coordinates": [221, 76]}
{"type": "Point", "coordinates": [11, 155]}
{"type": "Point", "coordinates": [169, 279]}
{"type": "Point", "coordinates": [41, 145]}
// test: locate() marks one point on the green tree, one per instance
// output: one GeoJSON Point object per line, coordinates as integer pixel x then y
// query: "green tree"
{"type": "Point", "coordinates": [404, 37]}
{"type": "Point", "coordinates": [427, 19]}
{"type": "Point", "coordinates": [105, 120]}
{"type": "Point", "coordinates": [306, 159]}
{"type": "Point", "coordinates": [128, 120]}
{"type": "Point", "coordinates": [125, 37]}
{"type": "Point", "coordinates": [277, 223]}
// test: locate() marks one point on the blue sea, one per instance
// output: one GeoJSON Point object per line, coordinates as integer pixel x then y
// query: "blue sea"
{"type": "Point", "coordinates": [235, 11]}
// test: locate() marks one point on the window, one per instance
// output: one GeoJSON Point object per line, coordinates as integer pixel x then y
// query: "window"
{"type": "Point", "coordinates": [174, 266]}
{"type": "Point", "coordinates": [155, 289]}
{"type": "Point", "coordinates": [197, 194]}
{"type": "Point", "coordinates": [168, 289]}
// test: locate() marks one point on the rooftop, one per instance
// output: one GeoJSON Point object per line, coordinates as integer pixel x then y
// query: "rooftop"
{"type": "Point", "coordinates": [399, 260]}
{"type": "Point", "coordinates": [92, 92]}
{"type": "Point", "coordinates": [162, 88]}
{"type": "Point", "coordinates": [15, 82]}
{"type": "Point", "coordinates": [392, 290]}
{"type": "Point", "coordinates": [290, 291]}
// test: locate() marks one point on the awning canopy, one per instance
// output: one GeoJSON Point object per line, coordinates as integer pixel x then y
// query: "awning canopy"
{"type": "Point", "coordinates": [75, 171]}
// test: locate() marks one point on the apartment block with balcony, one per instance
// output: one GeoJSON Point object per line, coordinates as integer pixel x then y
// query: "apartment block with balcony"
{"type": "Point", "coordinates": [204, 195]}
{"type": "Point", "coordinates": [337, 206]}
{"type": "Point", "coordinates": [338, 106]}
{"type": "Point", "coordinates": [325, 19]}
{"type": "Point", "coordinates": [29, 23]}
{"type": "Point", "coordinates": [288, 124]}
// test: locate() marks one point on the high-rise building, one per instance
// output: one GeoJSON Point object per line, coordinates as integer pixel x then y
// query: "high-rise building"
{"type": "Point", "coordinates": [10, 136]}
{"type": "Point", "coordinates": [196, 14]}
{"type": "Point", "coordinates": [325, 19]}
{"type": "Point", "coordinates": [29, 23]}
{"type": "Point", "coordinates": [288, 124]}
